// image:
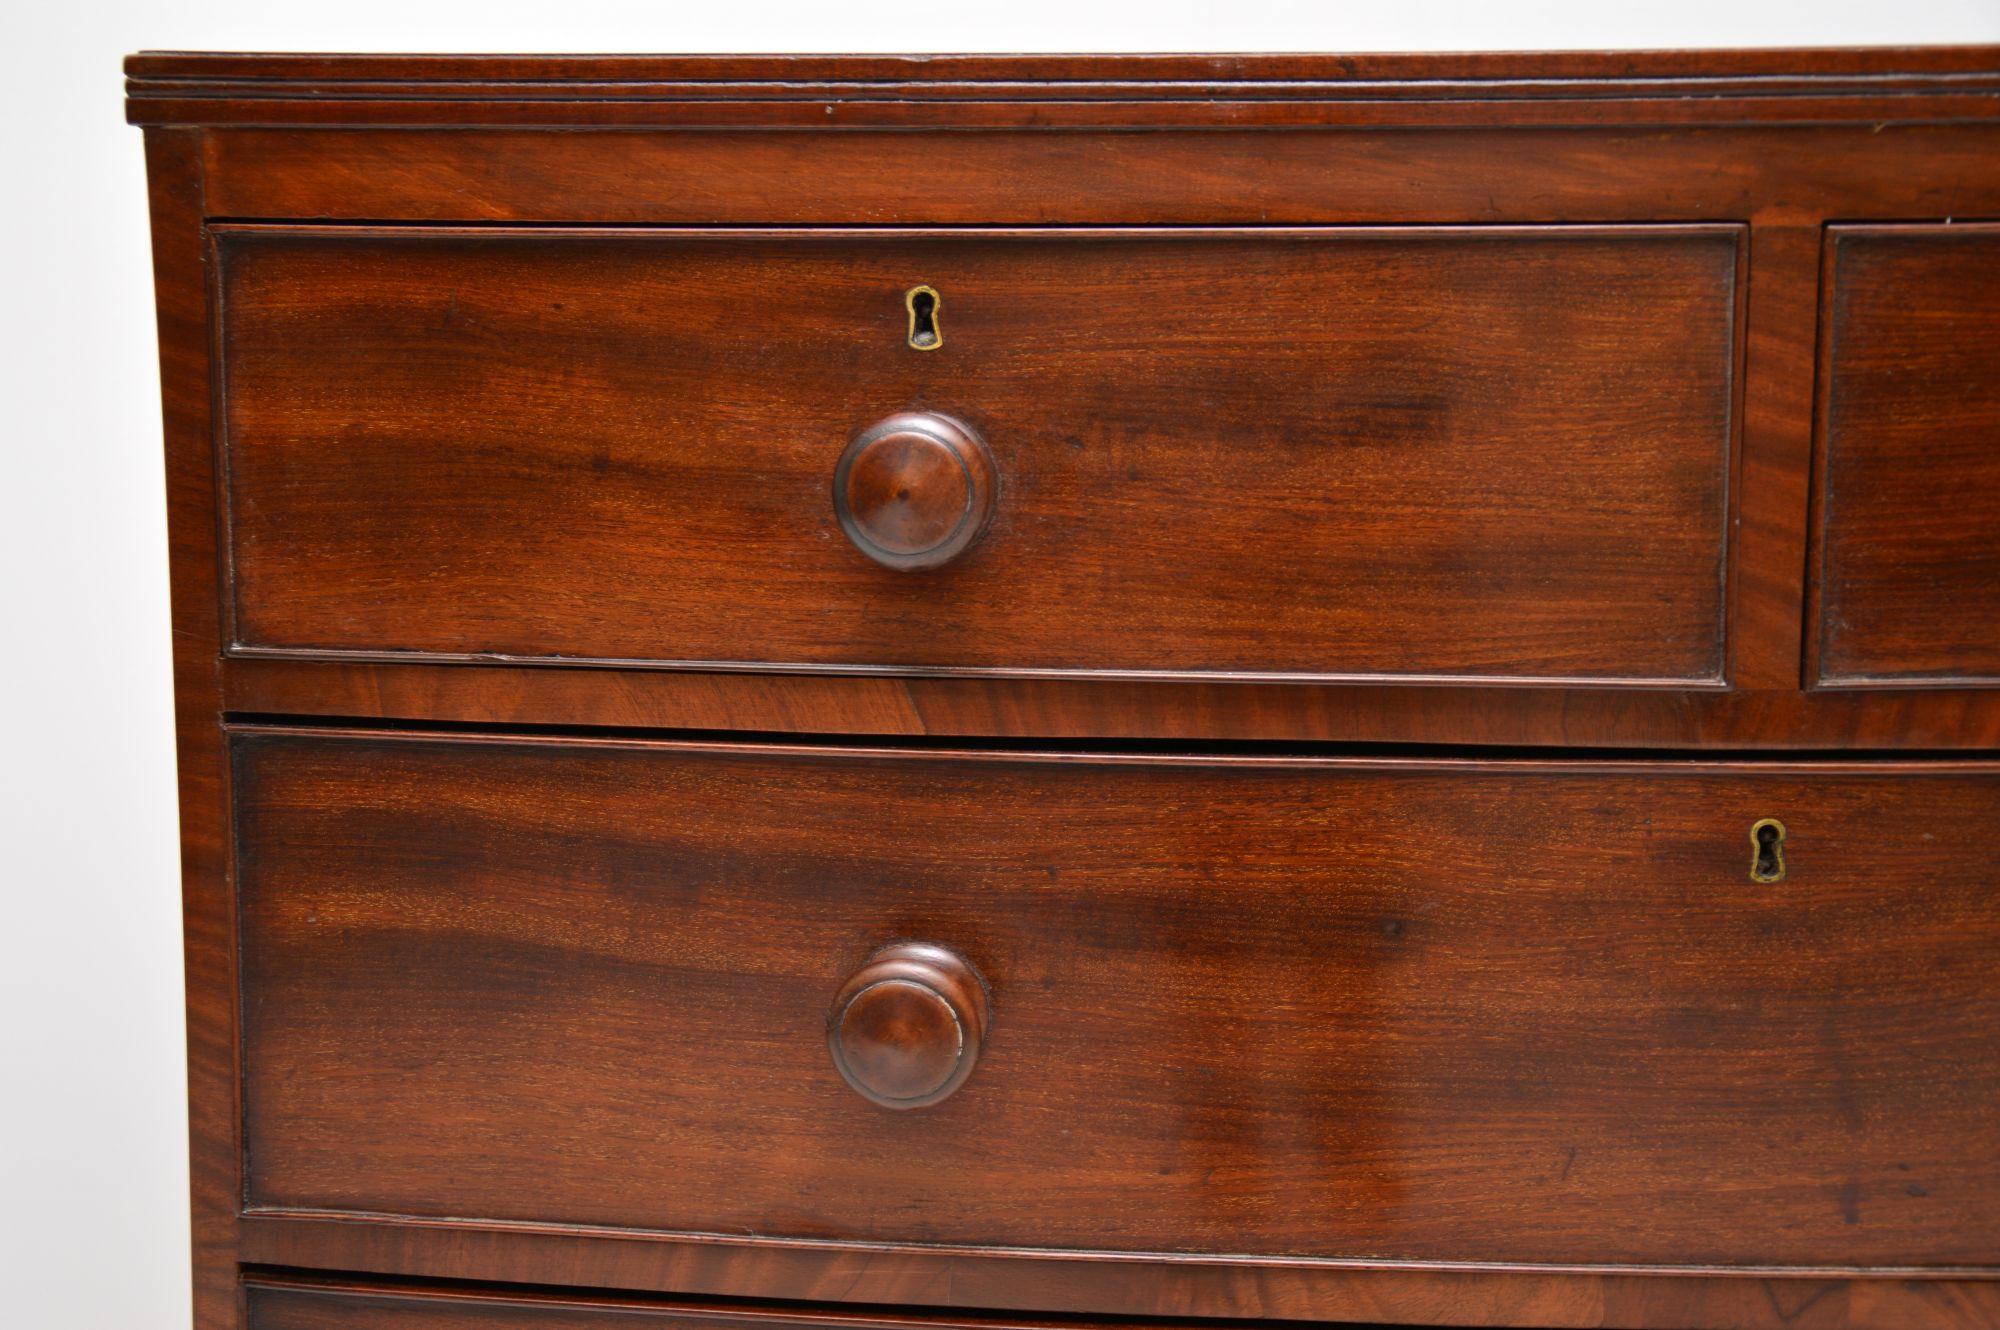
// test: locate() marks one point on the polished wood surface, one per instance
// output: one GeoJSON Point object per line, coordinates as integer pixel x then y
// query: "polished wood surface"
{"type": "Point", "coordinates": [1609, 1301]}
{"type": "Point", "coordinates": [208, 902]}
{"type": "Point", "coordinates": [1240, 1287]}
{"type": "Point", "coordinates": [1339, 1009]}
{"type": "Point", "coordinates": [907, 1027]}
{"type": "Point", "coordinates": [525, 444]}
{"type": "Point", "coordinates": [915, 491]}
{"type": "Point", "coordinates": [308, 1304]}
{"type": "Point", "coordinates": [1785, 174]}
{"type": "Point", "coordinates": [1786, 179]}
{"type": "Point", "coordinates": [1654, 87]}
{"type": "Point", "coordinates": [1908, 588]}
{"type": "Point", "coordinates": [1097, 710]}
{"type": "Point", "coordinates": [1779, 1048]}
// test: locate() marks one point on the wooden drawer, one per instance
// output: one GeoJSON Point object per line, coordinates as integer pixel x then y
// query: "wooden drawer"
{"type": "Point", "coordinates": [291, 1303]}
{"type": "Point", "coordinates": [314, 1305]}
{"type": "Point", "coordinates": [1463, 452]}
{"type": "Point", "coordinates": [323, 1307]}
{"type": "Point", "coordinates": [1908, 584]}
{"type": "Point", "coordinates": [1425, 1010]}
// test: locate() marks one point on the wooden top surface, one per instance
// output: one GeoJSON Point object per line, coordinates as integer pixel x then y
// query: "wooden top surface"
{"type": "Point", "coordinates": [1785, 86]}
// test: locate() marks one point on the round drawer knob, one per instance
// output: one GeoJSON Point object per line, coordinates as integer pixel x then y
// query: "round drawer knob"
{"type": "Point", "coordinates": [906, 1029]}
{"type": "Point", "coordinates": [915, 490]}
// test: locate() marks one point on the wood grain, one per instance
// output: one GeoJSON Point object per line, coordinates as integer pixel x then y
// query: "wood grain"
{"type": "Point", "coordinates": [906, 1028]}
{"type": "Point", "coordinates": [1773, 469]}
{"type": "Point", "coordinates": [1151, 91]}
{"type": "Point", "coordinates": [174, 174]}
{"type": "Point", "coordinates": [914, 491]}
{"type": "Point", "coordinates": [1386, 74]}
{"type": "Point", "coordinates": [1740, 1069]}
{"type": "Point", "coordinates": [1771, 719]}
{"type": "Point", "coordinates": [1494, 1012]}
{"type": "Point", "coordinates": [980, 177]}
{"type": "Point", "coordinates": [1467, 1298]}
{"type": "Point", "coordinates": [1244, 1287]}
{"type": "Point", "coordinates": [1435, 453]}
{"type": "Point", "coordinates": [1908, 587]}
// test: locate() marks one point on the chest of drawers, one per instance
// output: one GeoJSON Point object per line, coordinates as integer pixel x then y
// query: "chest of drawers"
{"type": "Point", "coordinates": [1052, 691]}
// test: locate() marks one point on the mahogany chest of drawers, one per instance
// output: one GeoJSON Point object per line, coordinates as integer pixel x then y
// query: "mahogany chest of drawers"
{"type": "Point", "coordinates": [862, 692]}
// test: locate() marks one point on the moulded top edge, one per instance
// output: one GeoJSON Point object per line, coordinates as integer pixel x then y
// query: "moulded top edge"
{"type": "Point", "coordinates": [1853, 85]}
{"type": "Point", "coordinates": [1867, 64]}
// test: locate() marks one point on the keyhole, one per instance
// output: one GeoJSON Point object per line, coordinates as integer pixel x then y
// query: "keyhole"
{"type": "Point", "coordinates": [926, 333]}
{"type": "Point", "coordinates": [1767, 860]}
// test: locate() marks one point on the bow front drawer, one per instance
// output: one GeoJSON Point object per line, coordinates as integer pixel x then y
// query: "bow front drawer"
{"type": "Point", "coordinates": [1524, 1011]}
{"type": "Point", "coordinates": [1462, 452]}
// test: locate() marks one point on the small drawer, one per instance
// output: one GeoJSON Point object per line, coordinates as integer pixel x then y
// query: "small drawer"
{"type": "Point", "coordinates": [1432, 1011]}
{"type": "Point", "coordinates": [1908, 584]}
{"type": "Point", "coordinates": [1467, 453]}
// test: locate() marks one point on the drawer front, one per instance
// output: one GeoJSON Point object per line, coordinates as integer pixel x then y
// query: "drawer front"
{"type": "Point", "coordinates": [271, 1306]}
{"type": "Point", "coordinates": [1470, 452]}
{"type": "Point", "coordinates": [273, 1303]}
{"type": "Point", "coordinates": [1520, 1012]}
{"type": "Point", "coordinates": [1909, 544]}
{"type": "Point", "coordinates": [285, 1305]}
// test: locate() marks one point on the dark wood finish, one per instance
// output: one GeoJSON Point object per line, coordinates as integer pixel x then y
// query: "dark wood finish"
{"type": "Point", "coordinates": [1399, 74]}
{"type": "Point", "coordinates": [1247, 1287]}
{"type": "Point", "coordinates": [1790, 152]}
{"type": "Point", "coordinates": [562, 445]}
{"type": "Point", "coordinates": [1614, 1300]}
{"type": "Point", "coordinates": [208, 903]}
{"type": "Point", "coordinates": [1908, 538]}
{"type": "Point", "coordinates": [1338, 1009]}
{"type": "Point", "coordinates": [1027, 177]}
{"type": "Point", "coordinates": [1787, 180]}
{"type": "Point", "coordinates": [1071, 709]}
{"type": "Point", "coordinates": [1765, 603]}
{"type": "Point", "coordinates": [306, 1304]}
{"type": "Point", "coordinates": [906, 1028]}
{"type": "Point", "coordinates": [1673, 87]}
{"type": "Point", "coordinates": [915, 491]}
{"type": "Point", "coordinates": [312, 1305]}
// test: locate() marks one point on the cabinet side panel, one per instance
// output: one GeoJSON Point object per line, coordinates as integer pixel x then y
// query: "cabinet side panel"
{"type": "Point", "coordinates": [181, 292]}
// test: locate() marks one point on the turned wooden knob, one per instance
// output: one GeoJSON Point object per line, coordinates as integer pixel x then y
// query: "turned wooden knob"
{"type": "Point", "coordinates": [906, 1029]}
{"type": "Point", "coordinates": [915, 490]}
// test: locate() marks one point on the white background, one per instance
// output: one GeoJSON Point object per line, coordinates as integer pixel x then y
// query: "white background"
{"type": "Point", "coordinates": [93, 1226]}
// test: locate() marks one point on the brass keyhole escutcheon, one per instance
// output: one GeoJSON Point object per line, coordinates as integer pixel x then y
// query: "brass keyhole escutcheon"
{"type": "Point", "coordinates": [1767, 850]}
{"type": "Point", "coordinates": [925, 306]}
